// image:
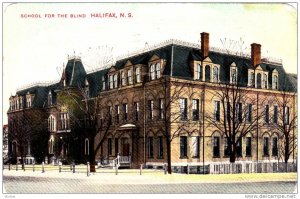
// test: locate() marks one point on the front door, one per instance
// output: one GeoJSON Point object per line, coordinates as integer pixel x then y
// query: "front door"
{"type": "Point", "coordinates": [125, 147]}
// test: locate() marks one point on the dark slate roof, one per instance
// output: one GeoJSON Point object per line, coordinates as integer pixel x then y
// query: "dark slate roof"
{"type": "Point", "coordinates": [76, 75]}
{"type": "Point", "coordinates": [293, 80]}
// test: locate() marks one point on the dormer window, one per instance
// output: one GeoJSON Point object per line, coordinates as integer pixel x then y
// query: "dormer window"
{"type": "Point", "coordinates": [137, 75]}
{"type": "Point", "coordinates": [157, 70]}
{"type": "Point", "coordinates": [265, 81]}
{"type": "Point", "coordinates": [103, 83]}
{"type": "Point", "coordinates": [233, 75]}
{"type": "Point", "coordinates": [152, 71]}
{"type": "Point", "coordinates": [198, 71]}
{"type": "Point", "coordinates": [21, 102]}
{"type": "Point", "coordinates": [251, 79]}
{"type": "Point", "coordinates": [275, 82]}
{"type": "Point", "coordinates": [115, 80]}
{"type": "Point", "coordinates": [49, 98]}
{"type": "Point", "coordinates": [123, 78]}
{"type": "Point", "coordinates": [215, 74]}
{"type": "Point", "coordinates": [28, 101]}
{"type": "Point", "coordinates": [129, 77]}
{"type": "Point", "coordinates": [111, 85]}
{"type": "Point", "coordinates": [258, 80]}
{"type": "Point", "coordinates": [17, 103]}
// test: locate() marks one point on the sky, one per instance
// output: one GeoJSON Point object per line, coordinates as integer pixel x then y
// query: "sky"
{"type": "Point", "coordinates": [36, 48]}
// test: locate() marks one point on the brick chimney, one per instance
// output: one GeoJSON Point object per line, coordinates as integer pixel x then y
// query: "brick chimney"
{"type": "Point", "coordinates": [255, 54]}
{"type": "Point", "coordinates": [204, 44]}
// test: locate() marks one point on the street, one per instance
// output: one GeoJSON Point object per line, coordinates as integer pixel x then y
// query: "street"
{"type": "Point", "coordinates": [156, 182]}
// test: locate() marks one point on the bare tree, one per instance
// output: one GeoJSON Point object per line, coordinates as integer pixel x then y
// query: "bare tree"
{"type": "Point", "coordinates": [285, 122]}
{"type": "Point", "coordinates": [232, 114]}
{"type": "Point", "coordinates": [173, 111]}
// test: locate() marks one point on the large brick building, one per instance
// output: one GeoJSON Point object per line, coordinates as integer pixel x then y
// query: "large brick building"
{"type": "Point", "coordinates": [169, 91]}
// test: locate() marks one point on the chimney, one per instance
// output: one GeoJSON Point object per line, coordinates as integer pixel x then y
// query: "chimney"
{"type": "Point", "coordinates": [255, 54]}
{"type": "Point", "coordinates": [204, 44]}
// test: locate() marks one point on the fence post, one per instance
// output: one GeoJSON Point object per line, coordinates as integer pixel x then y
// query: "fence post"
{"type": "Point", "coordinates": [165, 169]}
{"type": "Point", "coordinates": [43, 169]}
{"type": "Point", "coordinates": [59, 168]}
{"type": "Point", "coordinates": [33, 165]}
{"type": "Point", "coordinates": [116, 169]}
{"type": "Point", "coordinates": [88, 168]}
{"type": "Point", "coordinates": [188, 169]}
{"type": "Point", "coordinates": [17, 165]}
{"type": "Point", "coordinates": [9, 166]}
{"type": "Point", "coordinates": [141, 168]}
{"type": "Point", "coordinates": [73, 167]}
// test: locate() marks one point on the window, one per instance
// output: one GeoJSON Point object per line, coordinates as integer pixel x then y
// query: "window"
{"type": "Point", "coordinates": [50, 146]}
{"type": "Point", "coordinates": [265, 81]}
{"type": "Point", "coordinates": [152, 72]}
{"type": "Point", "coordinates": [216, 74]}
{"type": "Point", "coordinates": [161, 108]}
{"type": "Point", "coordinates": [151, 109]}
{"type": "Point", "coordinates": [258, 80]}
{"type": "Point", "coordinates": [86, 147]}
{"type": "Point", "coordinates": [275, 146]}
{"type": "Point", "coordinates": [183, 108]}
{"type": "Point", "coordinates": [249, 113]}
{"type": "Point", "coordinates": [233, 75]}
{"type": "Point", "coordinates": [207, 73]}
{"type": "Point", "coordinates": [195, 146]}
{"type": "Point", "coordinates": [129, 77]}
{"type": "Point", "coordinates": [266, 147]}
{"type": "Point", "coordinates": [137, 75]}
{"type": "Point", "coordinates": [198, 72]}
{"type": "Point", "coordinates": [103, 83]}
{"type": "Point", "coordinates": [267, 114]}
{"type": "Point", "coordinates": [150, 147]}
{"type": "Point", "coordinates": [226, 146]}
{"type": "Point", "coordinates": [28, 101]}
{"type": "Point", "coordinates": [52, 123]}
{"type": "Point", "coordinates": [116, 146]}
{"type": "Point", "coordinates": [217, 111]}
{"type": "Point", "coordinates": [111, 86]}
{"type": "Point", "coordinates": [275, 115]}
{"type": "Point", "coordinates": [65, 122]}
{"type": "Point", "coordinates": [275, 82]}
{"type": "Point", "coordinates": [115, 80]}
{"type": "Point", "coordinates": [216, 147]}
{"type": "Point", "coordinates": [49, 98]}
{"type": "Point", "coordinates": [157, 70]}
{"type": "Point", "coordinates": [183, 146]}
{"type": "Point", "coordinates": [123, 78]}
{"type": "Point", "coordinates": [160, 148]}
{"type": "Point", "coordinates": [195, 107]}
{"type": "Point", "coordinates": [239, 109]}
{"type": "Point", "coordinates": [248, 146]}
{"type": "Point", "coordinates": [136, 110]}
{"type": "Point", "coordinates": [109, 146]}
{"type": "Point", "coordinates": [251, 79]}
{"type": "Point", "coordinates": [286, 115]}
{"type": "Point", "coordinates": [109, 114]}
{"type": "Point", "coordinates": [117, 114]}
{"type": "Point", "coordinates": [21, 103]}
{"type": "Point", "coordinates": [125, 112]}
{"type": "Point", "coordinates": [239, 148]}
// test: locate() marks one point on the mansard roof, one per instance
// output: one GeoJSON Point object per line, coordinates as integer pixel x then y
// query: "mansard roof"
{"type": "Point", "coordinates": [177, 57]}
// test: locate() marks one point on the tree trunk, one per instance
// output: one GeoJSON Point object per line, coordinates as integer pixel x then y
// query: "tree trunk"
{"type": "Point", "coordinates": [232, 156]}
{"type": "Point", "coordinates": [92, 155]}
{"type": "Point", "coordinates": [286, 149]}
{"type": "Point", "coordinates": [169, 156]}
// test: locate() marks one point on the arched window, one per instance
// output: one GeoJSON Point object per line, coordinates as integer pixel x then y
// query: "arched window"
{"type": "Point", "coordinates": [50, 150]}
{"type": "Point", "coordinates": [14, 148]}
{"type": "Point", "coordinates": [129, 77]}
{"type": "Point", "coordinates": [157, 70]}
{"type": "Point", "coordinates": [123, 78]}
{"type": "Point", "coordinates": [152, 72]}
{"type": "Point", "coordinates": [258, 80]}
{"type": "Point", "coordinates": [52, 123]}
{"type": "Point", "coordinates": [216, 74]}
{"type": "Point", "coordinates": [86, 146]}
{"type": "Point", "coordinates": [115, 80]}
{"type": "Point", "coordinates": [207, 73]}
